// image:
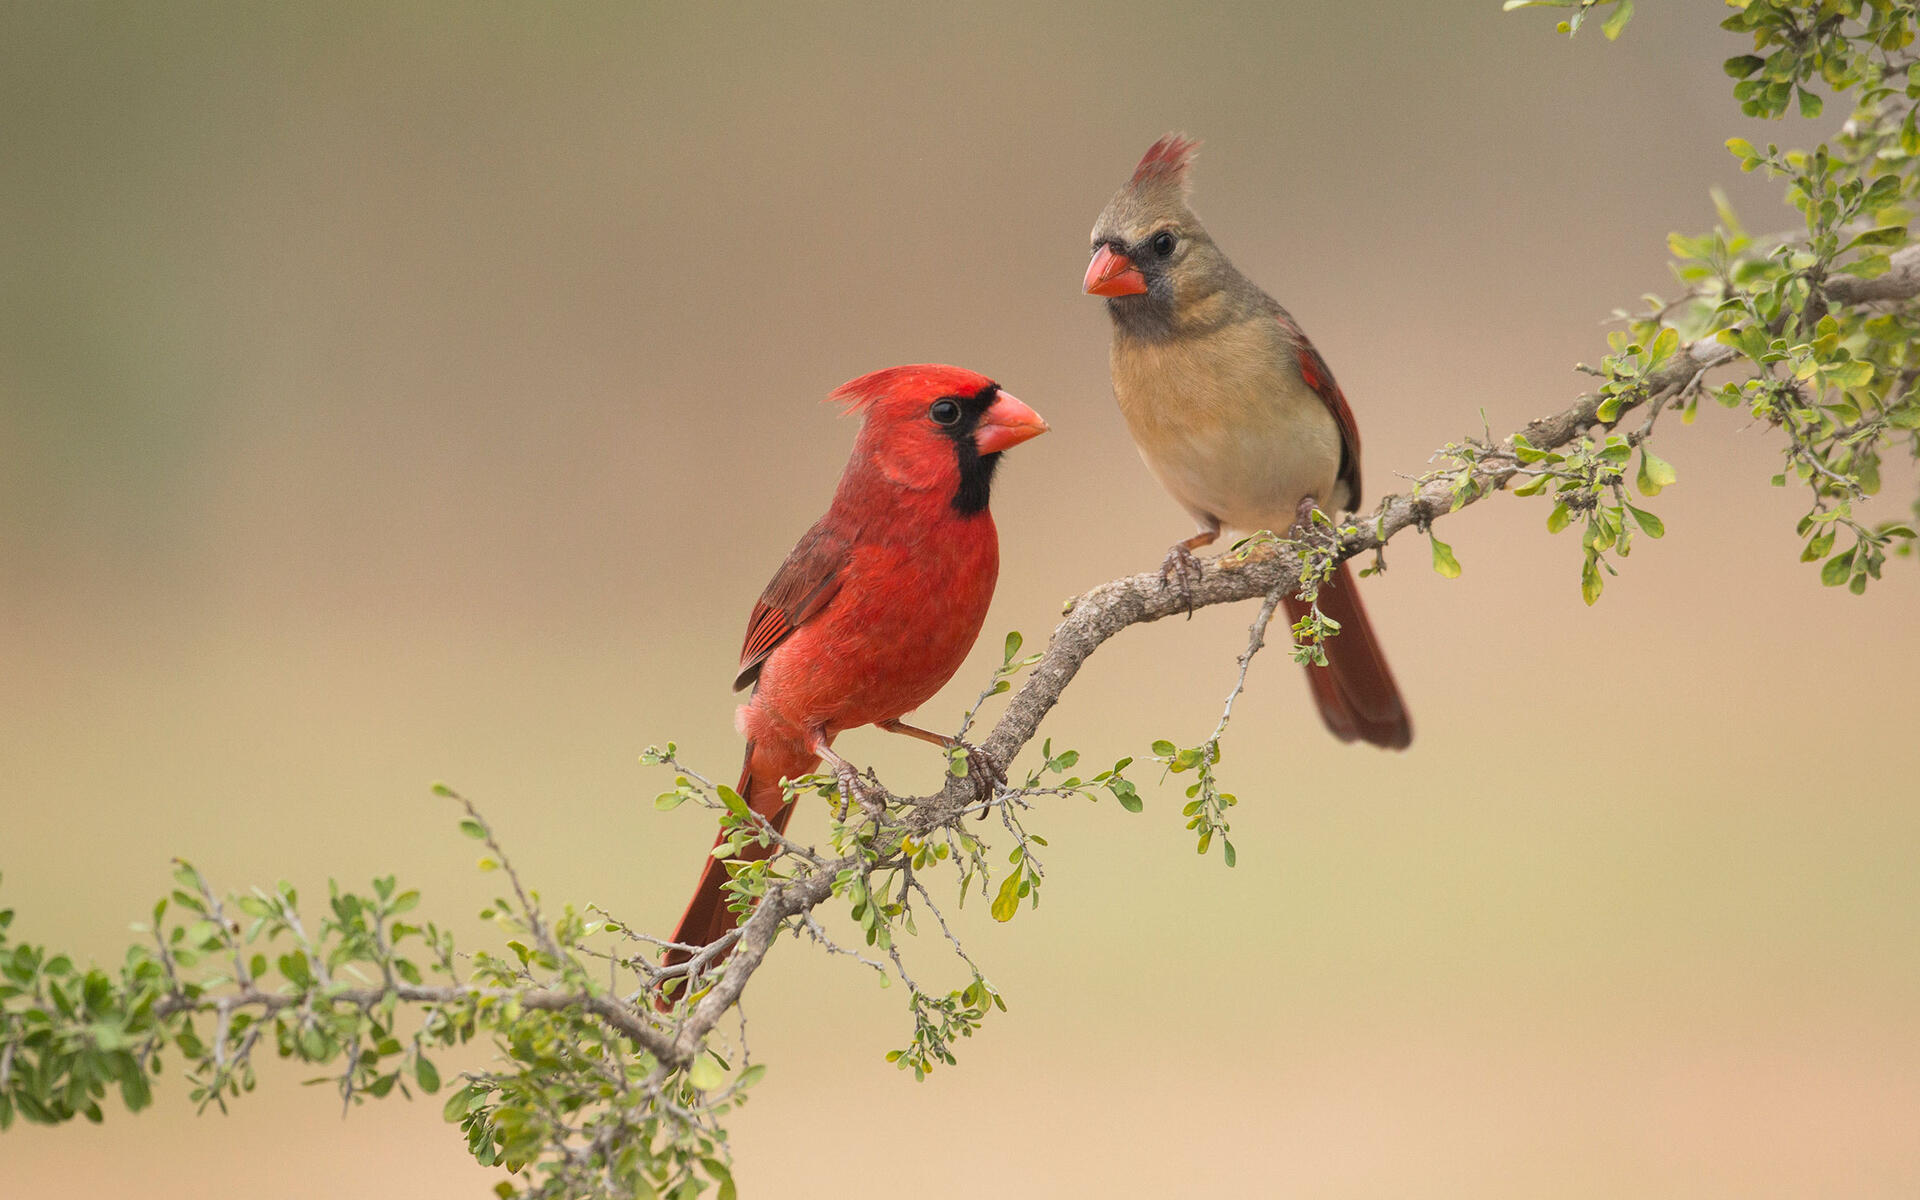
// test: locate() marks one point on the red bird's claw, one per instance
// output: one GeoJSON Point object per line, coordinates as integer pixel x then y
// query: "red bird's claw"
{"type": "Point", "coordinates": [990, 774]}
{"type": "Point", "coordinates": [1180, 564]}
{"type": "Point", "coordinates": [855, 790]}
{"type": "Point", "coordinates": [977, 761]}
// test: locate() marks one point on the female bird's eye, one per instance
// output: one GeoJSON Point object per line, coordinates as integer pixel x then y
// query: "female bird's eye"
{"type": "Point", "coordinates": [944, 412]}
{"type": "Point", "coordinates": [1163, 243]}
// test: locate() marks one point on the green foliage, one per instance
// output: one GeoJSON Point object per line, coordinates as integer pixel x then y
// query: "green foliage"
{"type": "Point", "coordinates": [1206, 807]}
{"type": "Point", "coordinates": [590, 1091]}
{"type": "Point", "coordinates": [938, 1021]}
{"type": "Point", "coordinates": [1589, 480]}
{"type": "Point", "coordinates": [573, 1107]}
{"type": "Point", "coordinates": [1836, 380]}
{"type": "Point", "coordinates": [1845, 44]}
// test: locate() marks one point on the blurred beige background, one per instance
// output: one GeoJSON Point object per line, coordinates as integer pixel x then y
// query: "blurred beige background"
{"type": "Point", "coordinates": [402, 393]}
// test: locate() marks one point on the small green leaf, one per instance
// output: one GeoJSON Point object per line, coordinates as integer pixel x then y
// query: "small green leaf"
{"type": "Point", "coordinates": [1014, 642]}
{"type": "Point", "coordinates": [1559, 517]}
{"type": "Point", "coordinates": [1885, 235]}
{"type": "Point", "coordinates": [1007, 901]}
{"type": "Point", "coordinates": [1853, 373]}
{"type": "Point", "coordinates": [1444, 563]}
{"type": "Point", "coordinates": [1590, 581]}
{"type": "Point", "coordinates": [1655, 473]}
{"type": "Point", "coordinates": [1617, 19]}
{"type": "Point", "coordinates": [1649, 524]}
{"type": "Point", "coordinates": [1665, 346]}
{"type": "Point", "coordinates": [135, 1092]}
{"type": "Point", "coordinates": [463, 1101]}
{"type": "Point", "coordinates": [705, 1072]}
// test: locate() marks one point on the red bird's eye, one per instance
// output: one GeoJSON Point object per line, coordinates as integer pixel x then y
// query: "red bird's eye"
{"type": "Point", "coordinates": [944, 412]}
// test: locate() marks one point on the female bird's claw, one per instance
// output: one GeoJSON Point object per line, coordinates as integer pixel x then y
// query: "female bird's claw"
{"type": "Point", "coordinates": [1303, 516]}
{"type": "Point", "coordinates": [1180, 564]}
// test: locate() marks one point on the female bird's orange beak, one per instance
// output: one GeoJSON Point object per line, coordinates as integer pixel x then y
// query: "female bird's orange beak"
{"type": "Point", "coordinates": [1007, 422]}
{"type": "Point", "coordinates": [1113, 274]}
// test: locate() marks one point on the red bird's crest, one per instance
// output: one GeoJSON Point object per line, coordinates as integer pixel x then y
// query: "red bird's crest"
{"type": "Point", "coordinates": [930, 379]}
{"type": "Point", "coordinates": [1166, 161]}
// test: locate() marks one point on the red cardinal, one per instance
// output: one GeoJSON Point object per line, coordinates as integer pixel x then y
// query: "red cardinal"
{"type": "Point", "coordinates": [1234, 412]}
{"type": "Point", "coordinates": [877, 606]}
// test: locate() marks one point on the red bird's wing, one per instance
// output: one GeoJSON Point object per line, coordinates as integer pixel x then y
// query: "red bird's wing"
{"type": "Point", "coordinates": [1314, 373]}
{"type": "Point", "coordinates": [800, 588]}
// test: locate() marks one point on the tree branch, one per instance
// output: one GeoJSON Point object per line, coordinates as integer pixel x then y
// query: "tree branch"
{"type": "Point", "coordinates": [620, 1016]}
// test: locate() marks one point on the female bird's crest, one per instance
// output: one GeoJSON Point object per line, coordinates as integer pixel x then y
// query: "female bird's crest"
{"type": "Point", "coordinates": [1155, 195]}
{"type": "Point", "coordinates": [1166, 162]}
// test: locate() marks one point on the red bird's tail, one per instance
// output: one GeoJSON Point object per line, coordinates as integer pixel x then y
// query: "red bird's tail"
{"type": "Point", "coordinates": [707, 916]}
{"type": "Point", "coordinates": [1355, 690]}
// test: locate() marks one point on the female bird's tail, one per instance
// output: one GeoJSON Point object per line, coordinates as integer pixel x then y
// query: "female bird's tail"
{"type": "Point", "coordinates": [1355, 690]}
{"type": "Point", "coordinates": [707, 916]}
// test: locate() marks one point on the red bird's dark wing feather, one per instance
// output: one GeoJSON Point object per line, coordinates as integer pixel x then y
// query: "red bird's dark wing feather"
{"type": "Point", "coordinates": [800, 588]}
{"type": "Point", "coordinates": [1314, 373]}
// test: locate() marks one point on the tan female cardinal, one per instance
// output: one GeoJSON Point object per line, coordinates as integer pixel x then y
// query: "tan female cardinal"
{"type": "Point", "coordinates": [1234, 412]}
{"type": "Point", "coordinates": [878, 604]}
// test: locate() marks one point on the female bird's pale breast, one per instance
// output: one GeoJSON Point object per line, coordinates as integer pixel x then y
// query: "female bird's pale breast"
{"type": "Point", "coordinates": [1228, 426]}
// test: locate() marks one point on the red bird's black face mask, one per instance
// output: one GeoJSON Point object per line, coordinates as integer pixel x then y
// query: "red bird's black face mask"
{"type": "Point", "coordinates": [979, 427]}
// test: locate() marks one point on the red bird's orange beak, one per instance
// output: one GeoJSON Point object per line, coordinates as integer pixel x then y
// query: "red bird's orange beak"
{"type": "Point", "coordinates": [1007, 422]}
{"type": "Point", "coordinates": [1113, 274]}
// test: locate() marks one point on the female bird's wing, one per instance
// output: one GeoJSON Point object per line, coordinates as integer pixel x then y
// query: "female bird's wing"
{"type": "Point", "coordinates": [800, 588]}
{"type": "Point", "coordinates": [1314, 373]}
